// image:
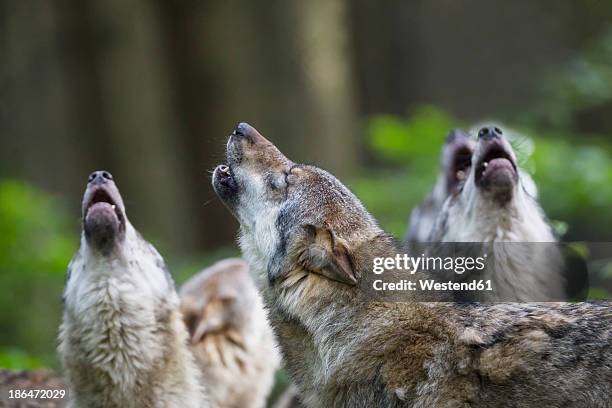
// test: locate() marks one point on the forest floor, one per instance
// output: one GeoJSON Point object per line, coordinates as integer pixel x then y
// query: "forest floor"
{"type": "Point", "coordinates": [30, 380]}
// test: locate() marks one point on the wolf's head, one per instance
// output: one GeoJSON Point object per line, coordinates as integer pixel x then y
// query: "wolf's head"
{"type": "Point", "coordinates": [109, 242]}
{"type": "Point", "coordinates": [298, 223]}
{"type": "Point", "coordinates": [496, 202]}
{"type": "Point", "coordinates": [112, 248]}
{"type": "Point", "coordinates": [455, 163]}
{"type": "Point", "coordinates": [104, 219]}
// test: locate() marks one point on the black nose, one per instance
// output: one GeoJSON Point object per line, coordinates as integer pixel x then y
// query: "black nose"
{"type": "Point", "coordinates": [243, 129]}
{"type": "Point", "coordinates": [489, 132]}
{"type": "Point", "coordinates": [99, 177]}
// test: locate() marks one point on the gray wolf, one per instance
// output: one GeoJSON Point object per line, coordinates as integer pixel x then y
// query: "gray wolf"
{"type": "Point", "coordinates": [311, 241]}
{"type": "Point", "coordinates": [495, 209]}
{"type": "Point", "coordinates": [123, 342]}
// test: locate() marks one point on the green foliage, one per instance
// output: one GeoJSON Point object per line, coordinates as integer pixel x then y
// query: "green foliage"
{"type": "Point", "coordinates": [411, 150]}
{"type": "Point", "coordinates": [35, 248]}
{"type": "Point", "coordinates": [575, 183]}
{"type": "Point", "coordinates": [34, 231]}
{"type": "Point", "coordinates": [418, 139]}
{"type": "Point", "coordinates": [390, 195]}
{"type": "Point", "coordinates": [583, 84]}
{"type": "Point", "coordinates": [16, 359]}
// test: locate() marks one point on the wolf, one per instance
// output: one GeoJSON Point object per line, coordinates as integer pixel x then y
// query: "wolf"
{"type": "Point", "coordinates": [496, 209]}
{"type": "Point", "coordinates": [455, 163]}
{"type": "Point", "coordinates": [230, 335]}
{"type": "Point", "coordinates": [311, 242]}
{"type": "Point", "coordinates": [123, 342]}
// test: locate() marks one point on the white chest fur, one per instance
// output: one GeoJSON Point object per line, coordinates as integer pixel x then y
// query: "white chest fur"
{"type": "Point", "coordinates": [119, 323]}
{"type": "Point", "coordinates": [115, 326]}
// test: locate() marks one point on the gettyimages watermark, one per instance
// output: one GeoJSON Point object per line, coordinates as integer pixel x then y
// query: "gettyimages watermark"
{"type": "Point", "coordinates": [425, 263]}
{"type": "Point", "coordinates": [413, 264]}
{"type": "Point", "coordinates": [492, 272]}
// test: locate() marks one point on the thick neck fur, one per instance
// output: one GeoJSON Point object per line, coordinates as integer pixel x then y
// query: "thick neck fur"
{"type": "Point", "coordinates": [525, 268]}
{"type": "Point", "coordinates": [324, 327]}
{"type": "Point", "coordinates": [122, 332]}
{"type": "Point", "coordinates": [471, 216]}
{"type": "Point", "coordinates": [343, 351]}
{"type": "Point", "coordinates": [423, 217]}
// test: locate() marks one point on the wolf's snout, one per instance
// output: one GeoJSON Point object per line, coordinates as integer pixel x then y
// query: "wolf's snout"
{"type": "Point", "coordinates": [489, 132]}
{"type": "Point", "coordinates": [243, 129]}
{"type": "Point", "coordinates": [104, 219]}
{"type": "Point", "coordinates": [496, 170]}
{"type": "Point", "coordinates": [99, 177]}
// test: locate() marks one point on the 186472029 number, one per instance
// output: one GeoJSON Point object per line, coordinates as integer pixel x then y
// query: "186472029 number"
{"type": "Point", "coordinates": [37, 394]}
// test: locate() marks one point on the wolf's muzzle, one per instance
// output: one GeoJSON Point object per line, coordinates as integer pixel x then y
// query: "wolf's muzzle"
{"type": "Point", "coordinates": [224, 183]}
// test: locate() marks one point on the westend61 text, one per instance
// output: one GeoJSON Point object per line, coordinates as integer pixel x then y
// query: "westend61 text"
{"type": "Point", "coordinates": [429, 284]}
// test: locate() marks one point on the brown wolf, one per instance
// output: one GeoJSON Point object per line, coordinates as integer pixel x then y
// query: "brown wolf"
{"type": "Point", "coordinates": [123, 342]}
{"type": "Point", "coordinates": [311, 241]}
{"type": "Point", "coordinates": [230, 335]}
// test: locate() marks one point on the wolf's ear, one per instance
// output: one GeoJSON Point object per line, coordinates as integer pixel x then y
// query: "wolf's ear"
{"type": "Point", "coordinates": [205, 317]}
{"type": "Point", "coordinates": [327, 256]}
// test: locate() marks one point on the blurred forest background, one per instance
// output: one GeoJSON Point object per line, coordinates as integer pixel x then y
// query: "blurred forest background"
{"type": "Point", "coordinates": [149, 90]}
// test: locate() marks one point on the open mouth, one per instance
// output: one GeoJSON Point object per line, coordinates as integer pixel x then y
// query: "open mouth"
{"type": "Point", "coordinates": [496, 162]}
{"type": "Point", "coordinates": [101, 200]}
{"type": "Point", "coordinates": [224, 178]}
{"type": "Point", "coordinates": [460, 162]}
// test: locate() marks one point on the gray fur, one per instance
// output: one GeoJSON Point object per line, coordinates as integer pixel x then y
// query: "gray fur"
{"type": "Point", "coordinates": [230, 336]}
{"type": "Point", "coordinates": [122, 339]}
{"type": "Point", "coordinates": [343, 351]}
{"type": "Point", "coordinates": [455, 165]}
{"type": "Point", "coordinates": [528, 265]}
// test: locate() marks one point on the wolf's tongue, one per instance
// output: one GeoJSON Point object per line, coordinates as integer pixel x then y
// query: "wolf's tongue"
{"type": "Point", "coordinates": [102, 212]}
{"type": "Point", "coordinates": [100, 206]}
{"type": "Point", "coordinates": [498, 164]}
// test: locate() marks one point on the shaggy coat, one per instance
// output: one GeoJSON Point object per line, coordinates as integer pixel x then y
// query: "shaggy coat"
{"type": "Point", "coordinates": [123, 342]}
{"type": "Point", "coordinates": [496, 209]}
{"type": "Point", "coordinates": [311, 242]}
{"type": "Point", "coordinates": [230, 336]}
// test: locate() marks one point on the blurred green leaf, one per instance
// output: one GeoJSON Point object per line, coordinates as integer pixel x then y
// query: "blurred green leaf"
{"type": "Point", "coordinates": [15, 359]}
{"type": "Point", "coordinates": [405, 141]}
{"type": "Point", "coordinates": [35, 248]}
{"type": "Point", "coordinates": [598, 294]}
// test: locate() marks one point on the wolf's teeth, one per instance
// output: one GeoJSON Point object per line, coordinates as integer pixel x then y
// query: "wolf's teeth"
{"type": "Point", "coordinates": [460, 175]}
{"type": "Point", "coordinates": [114, 206]}
{"type": "Point", "coordinates": [485, 164]}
